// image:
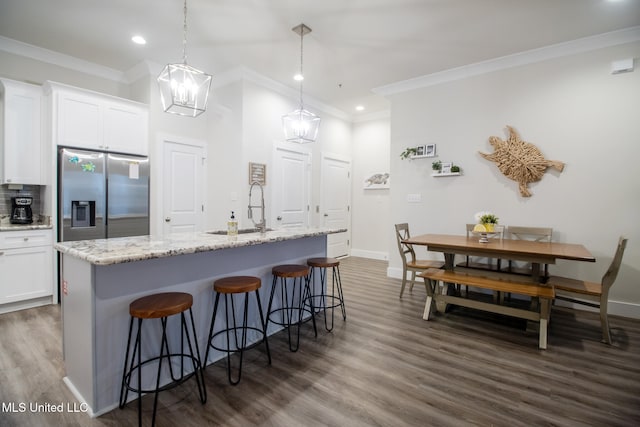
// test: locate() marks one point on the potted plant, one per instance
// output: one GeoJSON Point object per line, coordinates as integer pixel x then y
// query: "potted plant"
{"type": "Point", "coordinates": [436, 166]}
{"type": "Point", "coordinates": [408, 153]}
{"type": "Point", "coordinates": [488, 219]}
{"type": "Point", "coordinates": [455, 169]}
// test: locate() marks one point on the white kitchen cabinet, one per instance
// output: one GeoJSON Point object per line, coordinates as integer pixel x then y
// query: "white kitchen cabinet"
{"type": "Point", "coordinates": [95, 121]}
{"type": "Point", "coordinates": [26, 269]}
{"type": "Point", "coordinates": [21, 137]}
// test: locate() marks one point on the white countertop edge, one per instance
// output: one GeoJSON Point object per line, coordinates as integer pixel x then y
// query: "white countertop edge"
{"type": "Point", "coordinates": [139, 248]}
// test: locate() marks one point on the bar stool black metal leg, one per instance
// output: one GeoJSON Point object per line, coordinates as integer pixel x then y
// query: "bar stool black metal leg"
{"type": "Point", "coordinates": [306, 296]}
{"type": "Point", "coordinates": [264, 326]}
{"type": "Point", "coordinates": [213, 320]}
{"type": "Point", "coordinates": [338, 282]}
{"type": "Point", "coordinates": [195, 357]}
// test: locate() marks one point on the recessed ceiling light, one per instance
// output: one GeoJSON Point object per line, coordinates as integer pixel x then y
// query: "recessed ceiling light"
{"type": "Point", "coordinates": [298, 77]}
{"type": "Point", "coordinates": [359, 107]}
{"type": "Point", "coordinates": [138, 40]}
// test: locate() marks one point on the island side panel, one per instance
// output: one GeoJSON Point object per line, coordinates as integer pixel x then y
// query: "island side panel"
{"type": "Point", "coordinates": [116, 286]}
{"type": "Point", "coordinates": [77, 323]}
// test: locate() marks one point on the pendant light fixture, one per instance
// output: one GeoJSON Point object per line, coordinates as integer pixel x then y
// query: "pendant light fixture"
{"type": "Point", "coordinates": [301, 126]}
{"type": "Point", "coordinates": [184, 90]}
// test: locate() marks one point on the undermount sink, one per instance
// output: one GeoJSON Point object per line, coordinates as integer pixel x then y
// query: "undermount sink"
{"type": "Point", "coordinates": [241, 231]}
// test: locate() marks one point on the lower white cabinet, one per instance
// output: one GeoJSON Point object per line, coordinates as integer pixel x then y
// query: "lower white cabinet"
{"type": "Point", "coordinates": [26, 269]}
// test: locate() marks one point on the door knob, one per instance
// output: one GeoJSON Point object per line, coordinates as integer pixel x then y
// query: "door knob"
{"type": "Point", "coordinates": [167, 219]}
{"type": "Point", "coordinates": [326, 214]}
{"type": "Point", "coordinates": [279, 218]}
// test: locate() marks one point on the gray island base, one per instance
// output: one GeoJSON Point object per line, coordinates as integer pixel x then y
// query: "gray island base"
{"type": "Point", "coordinates": [100, 278]}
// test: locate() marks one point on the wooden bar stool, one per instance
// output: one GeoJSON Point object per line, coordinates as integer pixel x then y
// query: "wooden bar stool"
{"type": "Point", "coordinates": [161, 306]}
{"type": "Point", "coordinates": [291, 308]}
{"type": "Point", "coordinates": [229, 286]}
{"type": "Point", "coordinates": [326, 299]}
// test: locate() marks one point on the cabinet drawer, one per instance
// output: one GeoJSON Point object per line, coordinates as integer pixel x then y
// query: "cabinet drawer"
{"type": "Point", "coordinates": [25, 239]}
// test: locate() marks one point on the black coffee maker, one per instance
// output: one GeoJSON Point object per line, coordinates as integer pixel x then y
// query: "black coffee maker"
{"type": "Point", "coordinates": [21, 210]}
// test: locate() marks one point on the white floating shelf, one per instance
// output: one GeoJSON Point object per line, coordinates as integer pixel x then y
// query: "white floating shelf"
{"type": "Point", "coordinates": [445, 174]}
{"type": "Point", "coordinates": [424, 156]}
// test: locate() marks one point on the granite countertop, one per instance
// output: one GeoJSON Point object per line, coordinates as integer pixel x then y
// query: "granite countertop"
{"type": "Point", "coordinates": [39, 223]}
{"type": "Point", "coordinates": [130, 249]}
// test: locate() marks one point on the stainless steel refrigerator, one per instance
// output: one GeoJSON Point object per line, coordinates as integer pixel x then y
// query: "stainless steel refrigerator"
{"type": "Point", "coordinates": [101, 195]}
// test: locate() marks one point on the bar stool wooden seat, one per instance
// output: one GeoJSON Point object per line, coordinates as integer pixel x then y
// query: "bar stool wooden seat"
{"type": "Point", "coordinates": [230, 286]}
{"type": "Point", "coordinates": [292, 309]}
{"type": "Point", "coordinates": [324, 300]}
{"type": "Point", "coordinates": [161, 306]}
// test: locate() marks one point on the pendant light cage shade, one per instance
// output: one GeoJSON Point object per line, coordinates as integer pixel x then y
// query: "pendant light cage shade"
{"type": "Point", "coordinates": [300, 126]}
{"type": "Point", "coordinates": [184, 90]}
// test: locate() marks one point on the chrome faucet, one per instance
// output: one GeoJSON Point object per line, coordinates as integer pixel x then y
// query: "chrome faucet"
{"type": "Point", "coordinates": [262, 225]}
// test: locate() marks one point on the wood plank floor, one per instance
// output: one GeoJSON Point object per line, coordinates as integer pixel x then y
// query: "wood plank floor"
{"type": "Point", "coordinates": [384, 366]}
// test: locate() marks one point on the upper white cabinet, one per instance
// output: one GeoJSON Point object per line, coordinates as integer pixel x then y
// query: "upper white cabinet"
{"type": "Point", "coordinates": [21, 137]}
{"type": "Point", "coordinates": [86, 119]}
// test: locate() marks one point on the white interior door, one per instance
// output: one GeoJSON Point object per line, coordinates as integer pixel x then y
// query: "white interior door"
{"type": "Point", "coordinates": [336, 203]}
{"type": "Point", "coordinates": [291, 187]}
{"type": "Point", "coordinates": [183, 187]}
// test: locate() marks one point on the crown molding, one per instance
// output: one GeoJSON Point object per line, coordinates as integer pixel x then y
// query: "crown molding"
{"type": "Point", "coordinates": [146, 68]}
{"type": "Point", "coordinates": [245, 73]}
{"type": "Point", "coordinates": [49, 56]}
{"type": "Point", "coordinates": [586, 44]}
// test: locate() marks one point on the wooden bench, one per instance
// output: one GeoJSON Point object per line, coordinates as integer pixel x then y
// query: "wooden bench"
{"type": "Point", "coordinates": [495, 282]}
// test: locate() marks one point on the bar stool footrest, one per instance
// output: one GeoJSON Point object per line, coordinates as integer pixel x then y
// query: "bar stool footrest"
{"type": "Point", "coordinates": [174, 383]}
{"type": "Point", "coordinates": [224, 331]}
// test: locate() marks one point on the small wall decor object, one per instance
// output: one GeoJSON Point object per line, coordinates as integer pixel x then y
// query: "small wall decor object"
{"type": "Point", "coordinates": [436, 166]}
{"type": "Point", "coordinates": [430, 150]}
{"type": "Point", "coordinates": [377, 181]}
{"type": "Point", "coordinates": [519, 160]}
{"type": "Point", "coordinates": [258, 173]}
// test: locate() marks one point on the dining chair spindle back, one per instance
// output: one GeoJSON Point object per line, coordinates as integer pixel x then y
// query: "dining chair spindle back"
{"type": "Point", "coordinates": [480, 263]}
{"type": "Point", "coordinates": [534, 234]}
{"type": "Point", "coordinates": [408, 256]}
{"type": "Point", "coordinates": [592, 294]}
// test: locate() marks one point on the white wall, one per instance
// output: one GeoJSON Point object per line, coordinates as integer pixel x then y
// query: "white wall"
{"type": "Point", "coordinates": [574, 111]}
{"type": "Point", "coordinates": [371, 214]}
{"type": "Point", "coordinates": [247, 132]}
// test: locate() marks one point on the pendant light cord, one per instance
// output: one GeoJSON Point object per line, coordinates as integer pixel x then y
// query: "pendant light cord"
{"type": "Point", "coordinates": [301, 67]}
{"type": "Point", "coordinates": [184, 35]}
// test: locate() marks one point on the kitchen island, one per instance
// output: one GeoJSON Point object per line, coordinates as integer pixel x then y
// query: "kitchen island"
{"type": "Point", "coordinates": [100, 278]}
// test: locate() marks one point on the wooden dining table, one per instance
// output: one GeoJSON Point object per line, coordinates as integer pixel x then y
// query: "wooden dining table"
{"type": "Point", "coordinates": [537, 253]}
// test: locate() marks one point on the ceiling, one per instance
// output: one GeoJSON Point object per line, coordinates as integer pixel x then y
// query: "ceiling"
{"type": "Point", "coordinates": [355, 45]}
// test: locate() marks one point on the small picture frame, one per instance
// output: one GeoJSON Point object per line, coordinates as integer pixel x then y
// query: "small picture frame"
{"type": "Point", "coordinates": [446, 167]}
{"type": "Point", "coordinates": [420, 150]}
{"type": "Point", "coordinates": [430, 150]}
{"type": "Point", "coordinates": [258, 173]}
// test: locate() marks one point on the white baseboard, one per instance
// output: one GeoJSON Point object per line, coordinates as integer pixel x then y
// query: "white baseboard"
{"type": "Point", "coordinates": [394, 272]}
{"type": "Point", "coordinates": [616, 308]}
{"type": "Point", "coordinates": [382, 256]}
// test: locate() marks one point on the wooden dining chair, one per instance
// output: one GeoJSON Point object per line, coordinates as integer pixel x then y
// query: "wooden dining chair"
{"type": "Point", "coordinates": [592, 294]}
{"type": "Point", "coordinates": [534, 234]}
{"type": "Point", "coordinates": [409, 261]}
{"type": "Point", "coordinates": [482, 263]}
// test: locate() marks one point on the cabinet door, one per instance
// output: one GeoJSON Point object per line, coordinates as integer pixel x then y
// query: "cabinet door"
{"type": "Point", "coordinates": [79, 121]}
{"type": "Point", "coordinates": [125, 128]}
{"type": "Point", "coordinates": [21, 163]}
{"type": "Point", "coordinates": [26, 273]}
